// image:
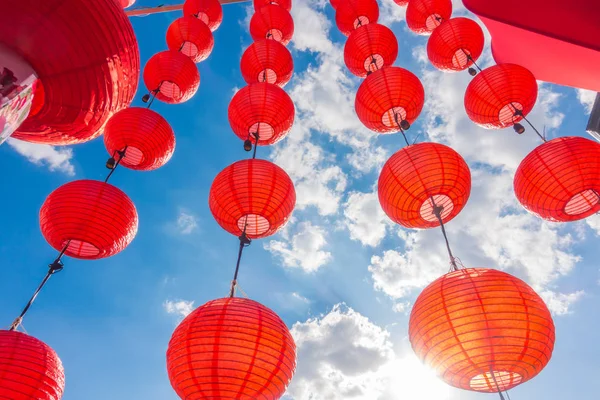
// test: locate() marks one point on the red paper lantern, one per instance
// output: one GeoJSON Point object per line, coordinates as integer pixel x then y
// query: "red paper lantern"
{"type": "Point", "coordinates": [352, 14]}
{"type": "Point", "coordinates": [191, 37]}
{"type": "Point", "coordinates": [264, 109]}
{"type": "Point", "coordinates": [127, 3]}
{"type": "Point", "coordinates": [144, 135]}
{"type": "Point", "coordinates": [388, 96]}
{"type": "Point", "coordinates": [29, 368]}
{"type": "Point", "coordinates": [423, 16]}
{"type": "Point", "coordinates": [420, 176]}
{"type": "Point", "coordinates": [272, 22]}
{"type": "Point", "coordinates": [253, 193]}
{"type": "Point", "coordinates": [208, 11]}
{"type": "Point", "coordinates": [86, 58]}
{"type": "Point", "coordinates": [482, 330]}
{"type": "Point", "coordinates": [172, 76]}
{"type": "Point", "coordinates": [560, 180]}
{"type": "Point", "coordinates": [229, 349]}
{"type": "Point", "coordinates": [96, 219]}
{"type": "Point", "coordinates": [401, 3]}
{"type": "Point", "coordinates": [336, 3]}
{"type": "Point", "coordinates": [451, 44]}
{"type": "Point", "coordinates": [267, 61]}
{"type": "Point", "coordinates": [287, 4]}
{"type": "Point", "coordinates": [369, 48]}
{"type": "Point", "coordinates": [497, 96]}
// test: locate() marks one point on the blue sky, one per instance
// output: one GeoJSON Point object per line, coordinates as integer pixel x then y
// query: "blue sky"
{"type": "Point", "coordinates": [339, 273]}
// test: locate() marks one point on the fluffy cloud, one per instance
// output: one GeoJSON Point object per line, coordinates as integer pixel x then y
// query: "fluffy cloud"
{"type": "Point", "coordinates": [186, 223]}
{"type": "Point", "coordinates": [180, 308]}
{"type": "Point", "coordinates": [55, 158]}
{"type": "Point", "coordinates": [312, 34]}
{"type": "Point", "coordinates": [304, 248]}
{"type": "Point", "coordinates": [560, 303]}
{"type": "Point", "coordinates": [365, 220]}
{"type": "Point", "coordinates": [587, 99]}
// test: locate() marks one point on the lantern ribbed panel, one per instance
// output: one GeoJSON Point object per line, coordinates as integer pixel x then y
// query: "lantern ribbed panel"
{"type": "Point", "coordinates": [146, 137]}
{"type": "Point", "coordinates": [351, 14]}
{"type": "Point", "coordinates": [386, 93]}
{"type": "Point", "coordinates": [475, 325]}
{"type": "Point", "coordinates": [267, 61]}
{"type": "Point", "coordinates": [229, 349]}
{"type": "Point", "coordinates": [192, 37]}
{"type": "Point", "coordinates": [287, 4]}
{"type": "Point", "coordinates": [208, 11]}
{"type": "Point", "coordinates": [86, 57]}
{"type": "Point", "coordinates": [264, 108]}
{"type": "Point", "coordinates": [423, 16]}
{"type": "Point", "coordinates": [416, 174]}
{"type": "Point", "coordinates": [560, 180]}
{"type": "Point", "coordinates": [127, 3]}
{"type": "Point", "coordinates": [29, 368]}
{"type": "Point", "coordinates": [272, 22]}
{"type": "Point", "coordinates": [97, 218]}
{"type": "Point", "coordinates": [495, 93]}
{"type": "Point", "coordinates": [175, 74]}
{"type": "Point", "coordinates": [452, 42]}
{"type": "Point", "coordinates": [255, 193]}
{"type": "Point", "coordinates": [401, 3]}
{"type": "Point", "coordinates": [369, 48]}
{"type": "Point", "coordinates": [335, 3]}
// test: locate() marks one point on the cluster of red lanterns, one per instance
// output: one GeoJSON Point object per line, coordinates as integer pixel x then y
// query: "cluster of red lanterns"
{"type": "Point", "coordinates": [234, 348]}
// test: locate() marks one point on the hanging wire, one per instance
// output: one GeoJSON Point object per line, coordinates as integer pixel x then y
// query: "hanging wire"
{"type": "Point", "coordinates": [56, 266]}
{"type": "Point", "coordinates": [497, 386]}
{"type": "Point", "coordinates": [112, 164]}
{"type": "Point", "coordinates": [437, 211]}
{"type": "Point", "coordinates": [399, 123]}
{"type": "Point", "coordinates": [244, 242]}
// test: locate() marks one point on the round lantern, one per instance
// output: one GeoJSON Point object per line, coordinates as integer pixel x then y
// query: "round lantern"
{"type": "Point", "coordinates": [267, 61]}
{"type": "Point", "coordinates": [369, 48]}
{"type": "Point", "coordinates": [208, 11]}
{"type": "Point", "coordinates": [352, 14]}
{"type": "Point", "coordinates": [93, 219]}
{"type": "Point", "coordinates": [191, 37]}
{"type": "Point", "coordinates": [231, 348]}
{"type": "Point", "coordinates": [86, 58]}
{"type": "Point", "coordinates": [453, 42]}
{"type": "Point", "coordinates": [559, 180]}
{"type": "Point", "coordinates": [482, 330]}
{"type": "Point", "coordinates": [287, 4]}
{"type": "Point", "coordinates": [401, 3]}
{"type": "Point", "coordinates": [127, 3]}
{"type": "Point", "coordinates": [255, 194]}
{"type": "Point", "coordinates": [335, 3]}
{"type": "Point", "coordinates": [144, 135]}
{"type": "Point", "coordinates": [172, 76]}
{"type": "Point", "coordinates": [423, 16]}
{"type": "Point", "coordinates": [419, 177]}
{"type": "Point", "coordinates": [29, 368]}
{"type": "Point", "coordinates": [272, 22]}
{"type": "Point", "coordinates": [499, 96]}
{"type": "Point", "coordinates": [387, 97]}
{"type": "Point", "coordinates": [261, 109]}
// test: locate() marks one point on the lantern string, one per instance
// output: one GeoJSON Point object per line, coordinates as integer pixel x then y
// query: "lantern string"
{"type": "Point", "coordinates": [401, 130]}
{"type": "Point", "coordinates": [121, 154]}
{"type": "Point", "coordinates": [56, 266]}
{"type": "Point", "coordinates": [244, 242]}
{"type": "Point", "coordinates": [497, 386]}
{"type": "Point", "coordinates": [472, 60]}
{"type": "Point", "coordinates": [437, 210]}
{"type": "Point", "coordinates": [256, 141]}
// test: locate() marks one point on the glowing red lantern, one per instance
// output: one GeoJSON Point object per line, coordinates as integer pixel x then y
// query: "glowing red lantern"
{"type": "Point", "coordinates": [255, 194]}
{"type": "Point", "coordinates": [272, 22]}
{"type": "Point", "coordinates": [93, 219]}
{"type": "Point", "coordinates": [232, 348]}
{"type": "Point", "coordinates": [423, 16]}
{"type": "Point", "coordinates": [559, 180]}
{"type": "Point", "coordinates": [208, 11]}
{"type": "Point", "coordinates": [387, 97]}
{"type": "Point", "coordinates": [499, 96]}
{"type": "Point", "coordinates": [287, 4]}
{"type": "Point", "coordinates": [127, 3]}
{"type": "Point", "coordinates": [267, 61]}
{"type": "Point", "coordinates": [455, 44]}
{"type": "Point", "coordinates": [87, 61]}
{"type": "Point", "coordinates": [482, 330]}
{"type": "Point", "coordinates": [29, 368]}
{"type": "Point", "coordinates": [191, 37]}
{"type": "Point", "coordinates": [172, 77]}
{"type": "Point", "coordinates": [401, 3]}
{"type": "Point", "coordinates": [261, 109]}
{"type": "Point", "coordinates": [352, 14]}
{"type": "Point", "coordinates": [335, 3]}
{"type": "Point", "coordinates": [144, 136]}
{"type": "Point", "coordinates": [369, 48]}
{"type": "Point", "coordinates": [419, 177]}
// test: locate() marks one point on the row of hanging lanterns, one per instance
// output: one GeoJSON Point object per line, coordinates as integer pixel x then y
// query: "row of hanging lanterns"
{"type": "Point", "coordinates": [480, 329]}
{"type": "Point", "coordinates": [233, 348]}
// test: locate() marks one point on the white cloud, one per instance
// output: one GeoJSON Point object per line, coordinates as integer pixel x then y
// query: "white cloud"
{"type": "Point", "coordinates": [587, 99]}
{"type": "Point", "coordinates": [303, 250]}
{"type": "Point", "coordinates": [181, 308]}
{"type": "Point", "coordinates": [560, 303]}
{"type": "Point", "coordinates": [311, 30]}
{"type": "Point", "coordinates": [364, 218]}
{"type": "Point", "coordinates": [391, 12]}
{"type": "Point", "coordinates": [55, 158]}
{"type": "Point", "coordinates": [186, 223]}
{"type": "Point", "coordinates": [594, 223]}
